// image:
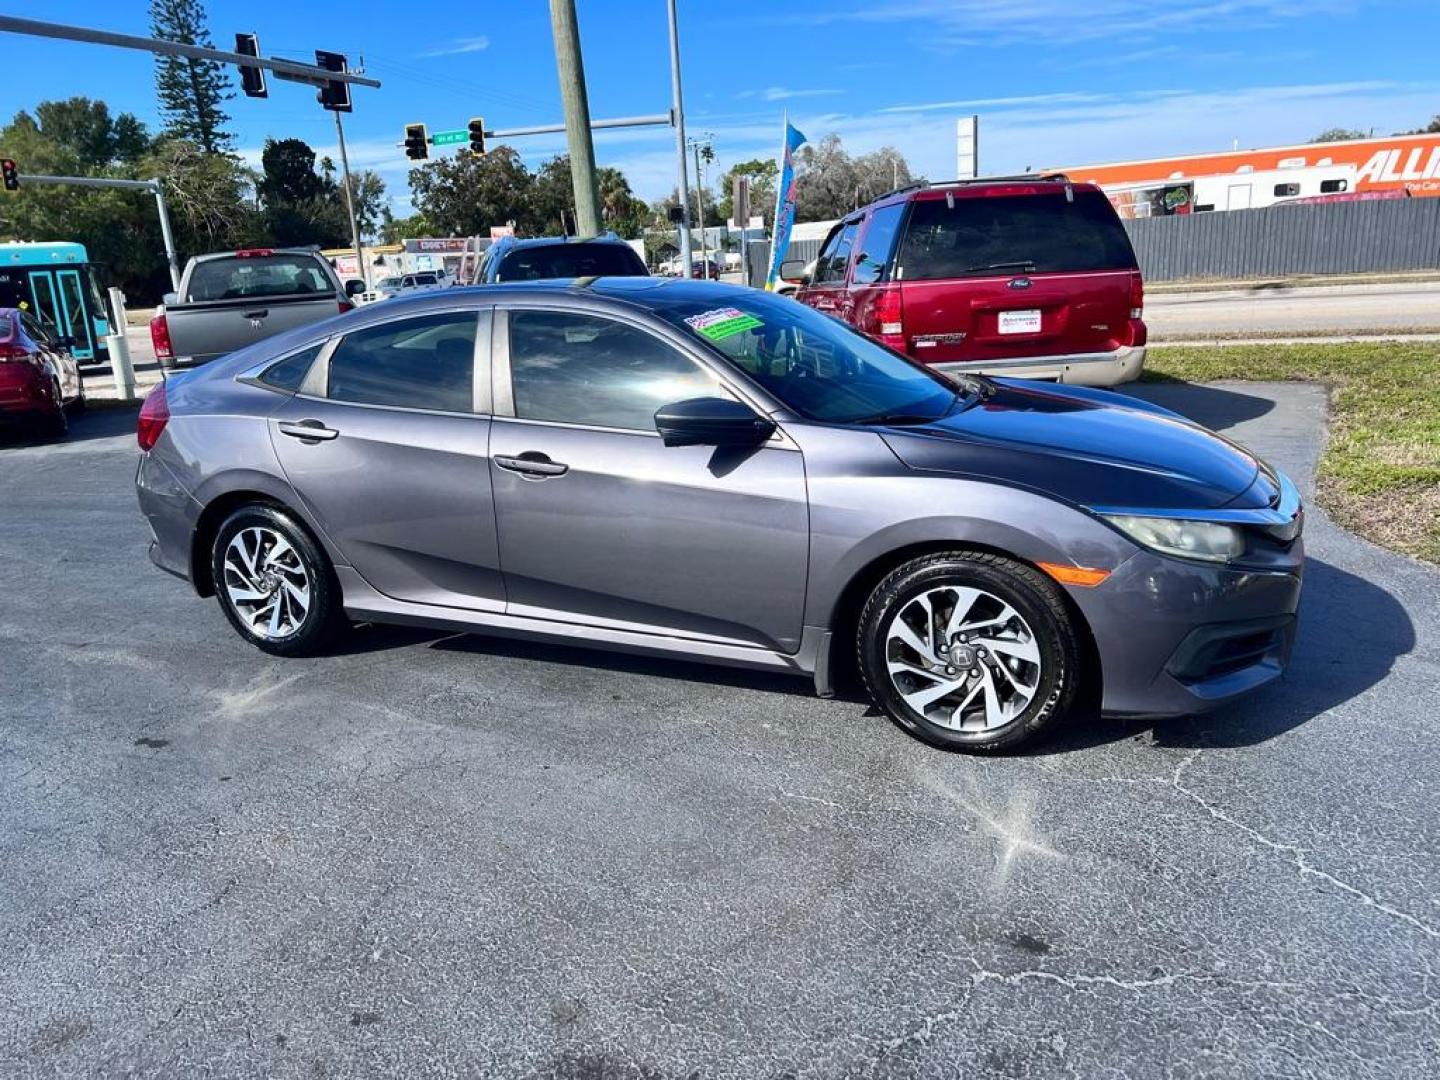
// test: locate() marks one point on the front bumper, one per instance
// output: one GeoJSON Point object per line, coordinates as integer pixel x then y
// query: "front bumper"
{"type": "Point", "coordinates": [1176, 637]}
{"type": "Point", "coordinates": [1079, 369]}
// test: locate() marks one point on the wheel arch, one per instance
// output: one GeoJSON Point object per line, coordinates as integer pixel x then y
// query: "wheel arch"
{"type": "Point", "coordinates": [840, 664]}
{"type": "Point", "coordinates": [207, 525]}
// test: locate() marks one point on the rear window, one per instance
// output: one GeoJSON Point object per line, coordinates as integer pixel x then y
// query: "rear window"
{"type": "Point", "coordinates": [238, 278]}
{"type": "Point", "coordinates": [1013, 234]}
{"type": "Point", "coordinates": [570, 261]}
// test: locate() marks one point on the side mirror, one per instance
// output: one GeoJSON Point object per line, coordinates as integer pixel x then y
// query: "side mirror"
{"type": "Point", "coordinates": [794, 270]}
{"type": "Point", "coordinates": [711, 421]}
{"type": "Point", "coordinates": [354, 287]}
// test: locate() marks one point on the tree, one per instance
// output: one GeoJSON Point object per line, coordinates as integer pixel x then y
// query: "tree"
{"type": "Point", "coordinates": [1432, 128]}
{"type": "Point", "coordinates": [191, 93]}
{"type": "Point", "coordinates": [465, 195]}
{"type": "Point", "coordinates": [394, 229]}
{"type": "Point", "coordinates": [86, 129]}
{"type": "Point", "coordinates": [1339, 135]}
{"type": "Point", "coordinates": [289, 172]}
{"type": "Point", "coordinates": [368, 190]}
{"type": "Point", "coordinates": [829, 183]}
{"type": "Point", "coordinates": [763, 172]}
{"type": "Point", "coordinates": [209, 195]}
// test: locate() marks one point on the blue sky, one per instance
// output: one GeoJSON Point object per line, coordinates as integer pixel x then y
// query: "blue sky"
{"type": "Point", "coordinates": [1055, 83]}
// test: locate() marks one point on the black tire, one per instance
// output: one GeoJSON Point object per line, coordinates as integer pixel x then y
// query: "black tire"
{"type": "Point", "coordinates": [1029, 592]}
{"type": "Point", "coordinates": [57, 426]}
{"type": "Point", "coordinates": [322, 621]}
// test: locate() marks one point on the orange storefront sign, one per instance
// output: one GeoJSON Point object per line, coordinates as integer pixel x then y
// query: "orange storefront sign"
{"type": "Point", "coordinates": [1408, 162]}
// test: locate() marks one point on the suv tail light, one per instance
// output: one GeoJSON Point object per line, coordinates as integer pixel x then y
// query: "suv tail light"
{"type": "Point", "coordinates": [887, 318]}
{"type": "Point", "coordinates": [1137, 296]}
{"type": "Point", "coordinates": [345, 306]}
{"type": "Point", "coordinates": [160, 337]}
{"type": "Point", "coordinates": [154, 415]}
{"type": "Point", "coordinates": [9, 350]}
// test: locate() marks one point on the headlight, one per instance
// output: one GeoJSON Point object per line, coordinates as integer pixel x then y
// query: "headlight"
{"type": "Point", "coordinates": [1208, 540]}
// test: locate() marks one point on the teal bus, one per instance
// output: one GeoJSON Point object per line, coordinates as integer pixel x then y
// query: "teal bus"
{"type": "Point", "coordinates": [56, 281]}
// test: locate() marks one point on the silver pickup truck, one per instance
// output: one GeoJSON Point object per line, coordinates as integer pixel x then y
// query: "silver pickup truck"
{"type": "Point", "coordinates": [230, 299]}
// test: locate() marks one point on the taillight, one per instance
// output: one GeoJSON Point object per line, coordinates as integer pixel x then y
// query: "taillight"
{"type": "Point", "coordinates": [160, 337]}
{"type": "Point", "coordinates": [154, 415]}
{"type": "Point", "coordinates": [345, 306]}
{"type": "Point", "coordinates": [889, 322]}
{"type": "Point", "coordinates": [11, 351]}
{"type": "Point", "coordinates": [1137, 296]}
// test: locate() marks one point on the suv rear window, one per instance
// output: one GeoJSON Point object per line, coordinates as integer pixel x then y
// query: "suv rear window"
{"type": "Point", "coordinates": [240, 278]}
{"type": "Point", "coordinates": [570, 261]}
{"type": "Point", "coordinates": [1013, 234]}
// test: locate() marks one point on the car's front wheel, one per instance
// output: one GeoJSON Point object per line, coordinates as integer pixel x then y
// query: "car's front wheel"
{"type": "Point", "coordinates": [274, 583]}
{"type": "Point", "coordinates": [969, 651]}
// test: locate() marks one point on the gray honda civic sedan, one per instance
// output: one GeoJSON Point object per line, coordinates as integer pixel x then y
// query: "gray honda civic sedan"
{"type": "Point", "coordinates": [704, 471]}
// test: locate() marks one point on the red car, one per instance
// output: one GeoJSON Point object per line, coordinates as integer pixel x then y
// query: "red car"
{"type": "Point", "coordinates": [39, 379]}
{"type": "Point", "coordinates": [1030, 276]}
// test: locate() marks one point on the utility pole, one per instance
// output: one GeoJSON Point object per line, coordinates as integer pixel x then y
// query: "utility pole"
{"type": "Point", "coordinates": [350, 202]}
{"type": "Point", "coordinates": [577, 116]}
{"type": "Point", "coordinates": [677, 108]}
{"type": "Point", "coordinates": [700, 206]}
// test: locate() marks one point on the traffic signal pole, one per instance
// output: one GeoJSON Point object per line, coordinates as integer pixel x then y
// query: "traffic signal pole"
{"type": "Point", "coordinates": [677, 108]}
{"type": "Point", "coordinates": [153, 187]}
{"type": "Point", "coordinates": [577, 116]}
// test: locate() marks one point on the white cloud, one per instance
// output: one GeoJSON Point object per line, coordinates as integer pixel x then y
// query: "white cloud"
{"type": "Point", "coordinates": [953, 24]}
{"type": "Point", "coordinates": [458, 46]}
{"type": "Point", "coordinates": [784, 93]}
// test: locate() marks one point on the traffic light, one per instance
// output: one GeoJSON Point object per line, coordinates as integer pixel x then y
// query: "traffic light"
{"type": "Point", "coordinates": [334, 95]}
{"type": "Point", "coordinates": [477, 136]}
{"type": "Point", "coordinates": [417, 142]}
{"type": "Point", "coordinates": [10, 174]}
{"type": "Point", "coordinates": [252, 79]}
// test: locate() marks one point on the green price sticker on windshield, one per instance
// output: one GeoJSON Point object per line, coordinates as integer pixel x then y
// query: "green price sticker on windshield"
{"type": "Point", "coordinates": [721, 323]}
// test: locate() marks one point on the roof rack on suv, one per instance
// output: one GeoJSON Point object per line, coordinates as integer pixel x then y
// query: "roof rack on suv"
{"type": "Point", "coordinates": [1052, 177]}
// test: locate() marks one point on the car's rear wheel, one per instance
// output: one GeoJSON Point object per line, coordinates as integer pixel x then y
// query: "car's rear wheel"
{"type": "Point", "coordinates": [56, 425]}
{"type": "Point", "coordinates": [274, 583]}
{"type": "Point", "coordinates": [969, 651]}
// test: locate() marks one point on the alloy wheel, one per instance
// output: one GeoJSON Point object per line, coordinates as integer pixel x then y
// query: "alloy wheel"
{"type": "Point", "coordinates": [267, 583]}
{"type": "Point", "coordinates": [963, 658]}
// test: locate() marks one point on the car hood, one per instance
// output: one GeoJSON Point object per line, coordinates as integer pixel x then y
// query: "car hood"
{"type": "Point", "coordinates": [1088, 447]}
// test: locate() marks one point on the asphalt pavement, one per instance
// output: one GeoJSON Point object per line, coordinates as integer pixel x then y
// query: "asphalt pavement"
{"type": "Point", "coordinates": [1273, 308]}
{"type": "Point", "coordinates": [449, 855]}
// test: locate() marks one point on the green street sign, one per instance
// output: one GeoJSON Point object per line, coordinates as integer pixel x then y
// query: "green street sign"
{"type": "Point", "coordinates": [449, 138]}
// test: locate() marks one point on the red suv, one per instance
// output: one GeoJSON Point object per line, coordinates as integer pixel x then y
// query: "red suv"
{"type": "Point", "coordinates": [1031, 276]}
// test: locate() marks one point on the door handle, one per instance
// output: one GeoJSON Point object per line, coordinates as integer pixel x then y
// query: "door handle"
{"type": "Point", "coordinates": [311, 431]}
{"type": "Point", "coordinates": [262, 313]}
{"type": "Point", "coordinates": [532, 465]}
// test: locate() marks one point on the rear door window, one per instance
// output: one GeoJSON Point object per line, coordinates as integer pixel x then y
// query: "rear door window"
{"type": "Point", "coordinates": [1013, 234]}
{"type": "Point", "coordinates": [289, 373]}
{"type": "Point", "coordinates": [257, 276]}
{"type": "Point", "coordinates": [426, 362]}
{"type": "Point", "coordinates": [570, 261]}
{"type": "Point", "coordinates": [878, 244]}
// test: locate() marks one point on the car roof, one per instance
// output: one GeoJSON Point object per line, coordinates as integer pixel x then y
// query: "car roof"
{"type": "Point", "coordinates": [983, 187]}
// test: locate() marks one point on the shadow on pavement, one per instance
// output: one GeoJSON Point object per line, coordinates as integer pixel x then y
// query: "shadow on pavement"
{"type": "Point", "coordinates": [1214, 407]}
{"type": "Point", "coordinates": [103, 422]}
{"type": "Point", "coordinates": [1351, 632]}
{"type": "Point", "coordinates": [658, 667]}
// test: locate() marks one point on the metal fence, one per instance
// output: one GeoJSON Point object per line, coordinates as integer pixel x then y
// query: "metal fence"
{"type": "Point", "coordinates": [1319, 238]}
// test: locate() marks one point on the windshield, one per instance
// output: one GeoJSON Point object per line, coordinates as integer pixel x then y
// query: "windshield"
{"type": "Point", "coordinates": [388, 283]}
{"type": "Point", "coordinates": [816, 365]}
{"type": "Point", "coordinates": [570, 261]}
